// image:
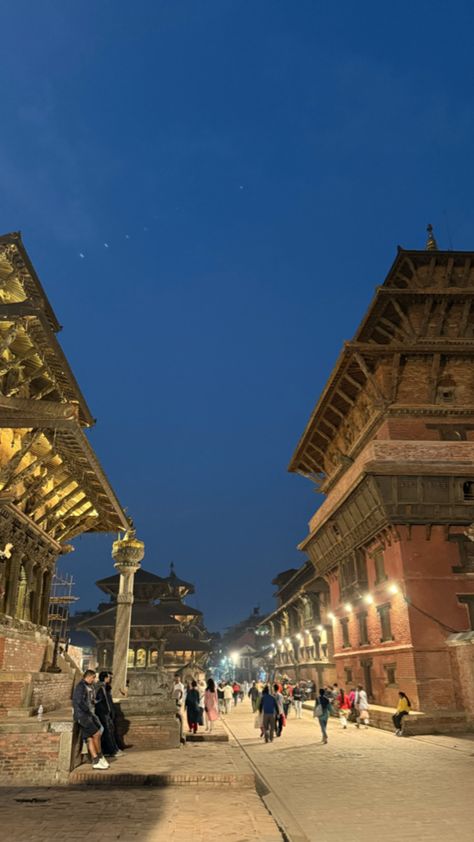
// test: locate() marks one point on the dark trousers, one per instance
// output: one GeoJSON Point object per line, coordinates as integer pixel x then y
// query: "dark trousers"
{"type": "Point", "coordinates": [268, 726]}
{"type": "Point", "coordinates": [108, 741]}
{"type": "Point", "coordinates": [279, 724]}
{"type": "Point", "coordinates": [397, 719]}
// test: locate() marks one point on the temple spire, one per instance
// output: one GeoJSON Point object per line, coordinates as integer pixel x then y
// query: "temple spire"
{"type": "Point", "coordinates": [431, 244]}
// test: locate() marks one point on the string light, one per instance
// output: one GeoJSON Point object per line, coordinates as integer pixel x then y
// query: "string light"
{"type": "Point", "coordinates": [331, 616]}
{"type": "Point", "coordinates": [320, 628]}
{"type": "Point", "coordinates": [393, 588]}
{"type": "Point", "coordinates": [347, 606]}
{"type": "Point", "coordinates": [280, 642]}
{"type": "Point", "coordinates": [368, 598]}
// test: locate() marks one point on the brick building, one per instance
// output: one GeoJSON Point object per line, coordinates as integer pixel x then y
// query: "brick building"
{"type": "Point", "coordinates": [300, 632]}
{"type": "Point", "coordinates": [391, 446]}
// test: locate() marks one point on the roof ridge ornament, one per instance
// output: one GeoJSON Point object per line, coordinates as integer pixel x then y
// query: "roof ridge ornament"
{"type": "Point", "coordinates": [431, 244]}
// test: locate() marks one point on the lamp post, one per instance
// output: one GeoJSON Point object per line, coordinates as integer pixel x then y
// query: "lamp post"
{"type": "Point", "coordinates": [127, 553]}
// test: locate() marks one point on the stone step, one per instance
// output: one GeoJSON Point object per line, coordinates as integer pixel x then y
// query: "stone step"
{"type": "Point", "coordinates": [25, 726]}
{"type": "Point", "coordinates": [21, 713]}
{"type": "Point", "coordinates": [218, 737]}
{"type": "Point", "coordinates": [86, 776]}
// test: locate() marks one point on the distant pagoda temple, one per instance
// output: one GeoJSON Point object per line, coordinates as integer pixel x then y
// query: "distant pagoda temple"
{"type": "Point", "coordinates": [164, 630]}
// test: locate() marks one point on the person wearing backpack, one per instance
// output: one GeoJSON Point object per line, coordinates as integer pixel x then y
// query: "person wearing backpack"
{"type": "Point", "coordinates": [322, 709]}
{"type": "Point", "coordinates": [403, 709]}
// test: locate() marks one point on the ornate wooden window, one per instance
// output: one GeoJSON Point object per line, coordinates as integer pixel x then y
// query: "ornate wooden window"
{"type": "Point", "coordinates": [379, 565]}
{"type": "Point", "coordinates": [363, 630]}
{"type": "Point", "coordinates": [466, 554]}
{"type": "Point", "coordinates": [391, 674]}
{"type": "Point", "coordinates": [385, 624]}
{"type": "Point", "coordinates": [353, 575]}
{"type": "Point", "coordinates": [348, 672]}
{"type": "Point", "coordinates": [346, 642]}
{"type": "Point", "coordinates": [153, 658]}
{"type": "Point", "coordinates": [468, 601]}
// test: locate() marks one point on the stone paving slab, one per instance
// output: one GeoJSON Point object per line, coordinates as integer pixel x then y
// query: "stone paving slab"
{"type": "Point", "coordinates": [134, 815]}
{"type": "Point", "coordinates": [211, 763]}
{"type": "Point", "coordinates": [363, 783]}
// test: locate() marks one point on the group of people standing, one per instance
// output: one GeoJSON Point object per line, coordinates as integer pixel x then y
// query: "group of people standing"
{"type": "Point", "coordinates": [95, 713]}
{"type": "Point", "coordinates": [198, 700]}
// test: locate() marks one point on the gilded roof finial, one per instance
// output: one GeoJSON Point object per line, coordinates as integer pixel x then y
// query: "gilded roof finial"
{"type": "Point", "coordinates": [431, 244]}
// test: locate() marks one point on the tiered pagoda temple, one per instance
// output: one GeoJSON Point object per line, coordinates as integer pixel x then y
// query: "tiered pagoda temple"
{"type": "Point", "coordinates": [391, 446]}
{"type": "Point", "coordinates": [164, 630]}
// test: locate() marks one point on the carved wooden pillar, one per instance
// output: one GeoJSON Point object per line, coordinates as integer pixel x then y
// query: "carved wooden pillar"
{"type": "Point", "coordinates": [47, 578]}
{"type": "Point", "coordinates": [14, 575]}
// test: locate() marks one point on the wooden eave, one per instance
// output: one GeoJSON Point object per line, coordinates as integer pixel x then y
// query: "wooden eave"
{"type": "Point", "coordinates": [33, 285]}
{"type": "Point", "coordinates": [328, 413]}
{"type": "Point", "coordinates": [52, 354]}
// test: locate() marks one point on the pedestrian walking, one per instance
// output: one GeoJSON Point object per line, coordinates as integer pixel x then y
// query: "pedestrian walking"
{"type": "Point", "coordinates": [403, 709]}
{"type": "Point", "coordinates": [211, 705]}
{"type": "Point", "coordinates": [236, 692]}
{"type": "Point", "coordinates": [343, 707]}
{"type": "Point", "coordinates": [254, 695]}
{"type": "Point", "coordinates": [268, 707]}
{"type": "Point", "coordinates": [322, 709]}
{"type": "Point", "coordinates": [220, 697]}
{"type": "Point", "coordinates": [193, 711]}
{"type": "Point", "coordinates": [286, 694]}
{"type": "Point", "coordinates": [228, 696]}
{"type": "Point", "coordinates": [83, 701]}
{"type": "Point", "coordinates": [361, 705]}
{"type": "Point", "coordinates": [280, 714]}
{"type": "Point", "coordinates": [298, 696]}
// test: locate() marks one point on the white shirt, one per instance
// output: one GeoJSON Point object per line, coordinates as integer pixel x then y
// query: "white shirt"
{"type": "Point", "coordinates": [361, 700]}
{"type": "Point", "coordinates": [178, 692]}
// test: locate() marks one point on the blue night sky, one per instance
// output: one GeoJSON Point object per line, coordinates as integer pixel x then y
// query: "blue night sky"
{"type": "Point", "coordinates": [251, 167]}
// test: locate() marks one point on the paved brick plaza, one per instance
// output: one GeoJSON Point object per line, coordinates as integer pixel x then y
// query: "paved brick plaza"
{"type": "Point", "coordinates": [363, 784]}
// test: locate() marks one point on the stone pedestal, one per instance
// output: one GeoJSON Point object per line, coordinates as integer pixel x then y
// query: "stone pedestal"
{"type": "Point", "coordinates": [146, 719]}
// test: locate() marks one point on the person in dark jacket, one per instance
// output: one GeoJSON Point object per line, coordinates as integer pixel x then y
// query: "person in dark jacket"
{"type": "Point", "coordinates": [322, 709]}
{"type": "Point", "coordinates": [269, 708]}
{"type": "Point", "coordinates": [193, 709]}
{"type": "Point", "coordinates": [83, 701]}
{"type": "Point", "coordinates": [298, 697]}
{"type": "Point", "coordinates": [254, 696]}
{"type": "Point", "coordinates": [103, 709]}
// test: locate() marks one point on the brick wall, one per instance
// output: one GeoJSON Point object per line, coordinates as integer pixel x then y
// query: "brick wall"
{"type": "Point", "coordinates": [14, 691]}
{"type": "Point", "coordinates": [22, 650]}
{"type": "Point", "coordinates": [51, 690]}
{"type": "Point", "coordinates": [461, 654]}
{"type": "Point", "coordinates": [29, 758]}
{"type": "Point", "coordinates": [144, 732]}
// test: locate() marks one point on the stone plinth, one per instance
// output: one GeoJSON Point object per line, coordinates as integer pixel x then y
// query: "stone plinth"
{"type": "Point", "coordinates": [146, 719]}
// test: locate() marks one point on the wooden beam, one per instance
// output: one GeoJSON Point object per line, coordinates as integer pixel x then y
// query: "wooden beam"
{"type": "Point", "coordinates": [467, 271]}
{"type": "Point", "coordinates": [426, 316]}
{"type": "Point", "coordinates": [7, 338]}
{"type": "Point", "coordinates": [405, 318]}
{"type": "Point", "coordinates": [433, 380]}
{"type": "Point", "coordinates": [62, 502]}
{"type": "Point", "coordinates": [337, 411]}
{"type": "Point", "coordinates": [74, 528]}
{"type": "Point", "coordinates": [397, 329]}
{"type": "Point", "coordinates": [354, 382]}
{"type": "Point", "coordinates": [370, 377]}
{"type": "Point", "coordinates": [449, 271]}
{"type": "Point", "coordinates": [345, 397]}
{"type": "Point", "coordinates": [396, 367]}
{"type": "Point", "coordinates": [54, 491]}
{"type": "Point", "coordinates": [7, 471]}
{"type": "Point", "coordinates": [48, 409]}
{"type": "Point", "coordinates": [466, 312]}
{"type": "Point", "coordinates": [439, 320]}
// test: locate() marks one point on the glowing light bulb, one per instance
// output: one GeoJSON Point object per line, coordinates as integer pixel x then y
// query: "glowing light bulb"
{"type": "Point", "coordinates": [347, 606]}
{"type": "Point", "coordinates": [280, 642]}
{"type": "Point", "coordinates": [320, 628]}
{"type": "Point", "coordinates": [368, 598]}
{"type": "Point", "coordinates": [331, 616]}
{"type": "Point", "coordinates": [393, 589]}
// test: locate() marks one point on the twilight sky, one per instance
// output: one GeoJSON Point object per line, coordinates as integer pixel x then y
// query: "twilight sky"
{"type": "Point", "coordinates": [210, 190]}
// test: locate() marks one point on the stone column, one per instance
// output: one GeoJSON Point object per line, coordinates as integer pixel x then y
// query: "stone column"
{"type": "Point", "coordinates": [128, 553]}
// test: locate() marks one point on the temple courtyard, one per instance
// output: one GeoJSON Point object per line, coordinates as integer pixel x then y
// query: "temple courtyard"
{"type": "Point", "coordinates": [363, 783]}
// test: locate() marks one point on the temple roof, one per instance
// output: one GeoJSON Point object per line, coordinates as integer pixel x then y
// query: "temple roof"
{"type": "Point", "coordinates": [385, 329]}
{"type": "Point", "coordinates": [143, 614]}
{"type": "Point", "coordinates": [49, 474]}
{"type": "Point", "coordinates": [179, 609]}
{"type": "Point", "coordinates": [177, 586]}
{"type": "Point", "coordinates": [144, 581]}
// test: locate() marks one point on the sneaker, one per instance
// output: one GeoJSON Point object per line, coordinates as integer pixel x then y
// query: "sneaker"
{"type": "Point", "coordinates": [119, 753]}
{"type": "Point", "coordinates": [97, 764]}
{"type": "Point", "coordinates": [104, 764]}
